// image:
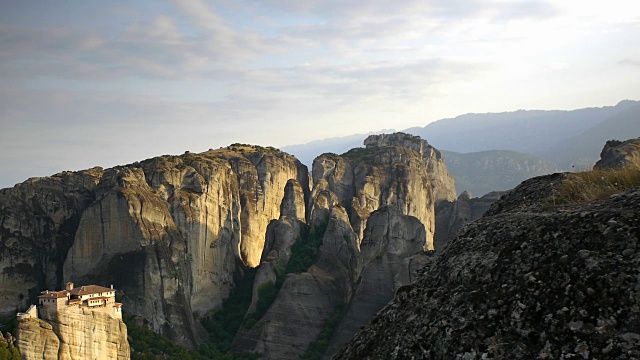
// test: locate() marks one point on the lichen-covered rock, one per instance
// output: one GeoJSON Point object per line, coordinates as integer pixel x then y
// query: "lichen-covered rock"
{"type": "Point", "coordinates": [616, 154]}
{"type": "Point", "coordinates": [527, 280]}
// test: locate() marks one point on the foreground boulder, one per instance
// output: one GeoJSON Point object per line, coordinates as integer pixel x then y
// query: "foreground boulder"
{"type": "Point", "coordinates": [526, 281]}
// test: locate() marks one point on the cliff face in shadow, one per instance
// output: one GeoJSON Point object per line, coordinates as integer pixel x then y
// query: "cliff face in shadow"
{"type": "Point", "coordinates": [527, 280]}
{"type": "Point", "coordinates": [373, 209]}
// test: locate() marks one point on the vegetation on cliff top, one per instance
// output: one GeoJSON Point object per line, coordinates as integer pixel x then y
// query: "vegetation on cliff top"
{"type": "Point", "coordinates": [585, 187]}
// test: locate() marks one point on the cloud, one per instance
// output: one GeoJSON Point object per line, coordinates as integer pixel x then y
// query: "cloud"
{"type": "Point", "coordinates": [630, 62]}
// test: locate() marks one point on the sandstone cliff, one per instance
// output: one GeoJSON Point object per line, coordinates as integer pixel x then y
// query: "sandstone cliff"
{"type": "Point", "coordinates": [367, 179]}
{"type": "Point", "coordinates": [620, 154]}
{"type": "Point", "coordinates": [36, 340]}
{"type": "Point", "coordinates": [38, 220]}
{"type": "Point", "coordinates": [527, 280]}
{"type": "Point", "coordinates": [168, 231]}
{"type": "Point", "coordinates": [73, 333]}
{"type": "Point", "coordinates": [441, 181]}
{"type": "Point", "coordinates": [377, 204]}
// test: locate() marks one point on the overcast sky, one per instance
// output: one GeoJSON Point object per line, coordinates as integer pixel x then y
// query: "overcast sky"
{"type": "Point", "coordinates": [86, 83]}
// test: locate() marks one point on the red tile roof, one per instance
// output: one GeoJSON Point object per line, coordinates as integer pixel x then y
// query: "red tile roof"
{"type": "Point", "coordinates": [89, 289]}
{"type": "Point", "coordinates": [52, 294]}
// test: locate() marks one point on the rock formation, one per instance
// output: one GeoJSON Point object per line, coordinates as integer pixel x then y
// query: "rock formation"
{"type": "Point", "coordinates": [377, 204]}
{"type": "Point", "coordinates": [73, 333]}
{"type": "Point", "coordinates": [451, 216]}
{"type": "Point", "coordinates": [38, 221]}
{"type": "Point", "coordinates": [366, 179]}
{"type": "Point", "coordinates": [442, 182]}
{"type": "Point", "coordinates": [620, 154]}
{"type": "Point", "coordinates": [168, 231]}
{"type": "Point", "coordinates": [37, 340]}
{"type": "Point", "coordinates": [527, 280]}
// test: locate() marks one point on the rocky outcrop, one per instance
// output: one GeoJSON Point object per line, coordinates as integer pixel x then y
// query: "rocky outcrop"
{"type": "Point", "coordinates": [36, 340]}
{"type": "Point", "coordinates": [527, 280]}
{"type": "Point", "coordinates": [377, 206]}
{"type": "Point", "coordinates": [391, 253]}
{"type": "Point", "coordinates": [281, 235]}
{"type": "Point", "coordinates": [38, 220]}
{"type": "Point", "coordinates": [441, 181]}
{"type": "Point", "coordinates": [397, 176]}
{"type": "Point", "coordinates": [451, 216]}
{"type": "Point", "coordinates": [168, 231]}
{"type": "Point", "coordinates": [616, 154]}
{"type": "Point", "coordinates": [73, 333]}
{"type": "Point", "coordinates": [306, 300]}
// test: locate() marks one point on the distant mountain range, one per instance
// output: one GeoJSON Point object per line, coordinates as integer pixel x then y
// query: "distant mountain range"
{"type": "Point", "coordinates": [485, 171]}
{"type": "Point", "coordinates": [554, 140]}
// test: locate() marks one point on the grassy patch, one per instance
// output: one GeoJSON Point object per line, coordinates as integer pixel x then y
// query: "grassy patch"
{"type": "Point", "coordinates": [585, 187]}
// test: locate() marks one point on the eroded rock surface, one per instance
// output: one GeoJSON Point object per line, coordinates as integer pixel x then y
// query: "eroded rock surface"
{"type": "Point", "coordinates": [366, 179]}
{"type": "Point", "coordinates": [73, 333]}
{"type": "Point", "coordinates": [616, 154]}
{"type": "Point", "coordinates": [527, 280]}
{"type": "Point", "coordinates": [306, 300]}
{"type": "Point", "coordinates": [378, 204]}
{"type": "Point", "coordinates": [36, 340]}
{"type": "Point", "coordinates": [168, 231]}
{"type": "Point", "coordinates": [442, 182]}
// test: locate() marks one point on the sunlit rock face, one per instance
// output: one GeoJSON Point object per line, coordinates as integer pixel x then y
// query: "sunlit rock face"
{"type": "Point", "coordinates": [441, 181]}
{"type": "Point", "coordinates": [386, 173]}
{"type": "Point", "coordinates": [168, 231]}
{"type": "Point", "coordinates": [73, 333]}
{"type": "Point", "coordinates": [617, 154]}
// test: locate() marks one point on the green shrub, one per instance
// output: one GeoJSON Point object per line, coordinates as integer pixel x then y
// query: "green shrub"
{"type": "Point", "coordinates": [8, 351]}
{"type": "Point", "coordinates": [304, 251]}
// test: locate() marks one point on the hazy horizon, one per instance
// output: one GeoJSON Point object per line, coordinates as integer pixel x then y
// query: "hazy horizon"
{"type": "Point", "coordinates": [101, 84]}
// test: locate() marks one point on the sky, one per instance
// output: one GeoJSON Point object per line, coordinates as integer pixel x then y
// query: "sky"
{"type": "Point", "coordinates": [86, 83]}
